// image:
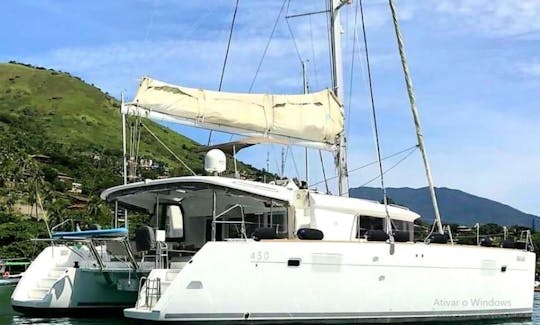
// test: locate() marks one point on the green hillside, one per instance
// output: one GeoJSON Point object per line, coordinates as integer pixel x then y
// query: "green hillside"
{"type": "Point", "coordinates": [61, 138]}
{"type": "Point", "coordinates": [67, 111]}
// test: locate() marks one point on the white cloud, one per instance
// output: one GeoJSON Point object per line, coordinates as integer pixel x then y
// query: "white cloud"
{"type": "Point", "coordinates": [471, 147]}
{"type": "Point", "coordinates": [529, 69]}
{"type": "Point", "coordinates": [491, 17]}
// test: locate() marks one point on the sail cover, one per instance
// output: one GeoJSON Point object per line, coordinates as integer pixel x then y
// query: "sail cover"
{"type": "Point", "coordinates": [315, 117]}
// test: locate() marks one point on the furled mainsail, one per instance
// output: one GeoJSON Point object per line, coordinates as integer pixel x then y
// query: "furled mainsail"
{"type": "Point", "coordinates": [315, 118]}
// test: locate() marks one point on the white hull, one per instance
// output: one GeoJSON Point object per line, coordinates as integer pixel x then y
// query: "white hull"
{"type": "Point", "coordinates": [343, 281]}
{"type": "Point", "coordinates": [52, 284]}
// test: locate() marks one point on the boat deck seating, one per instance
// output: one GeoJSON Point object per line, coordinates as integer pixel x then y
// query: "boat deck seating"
{"type": "Point", "coordinates": [401, 236]}
{"type": "Point", "coordinates": [309, 234]}
{"type": "Point", "coordinates": [438, 238]}
{"type": "Point", "coordinates": [145, 239]}
{"type": "Point", "coordinates": [376, 235]}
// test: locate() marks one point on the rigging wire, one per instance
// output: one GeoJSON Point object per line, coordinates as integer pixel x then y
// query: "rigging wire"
{"type": "Point", "coordinates": [313, 61]}
{"type": "Point", "coordinates": [292, 34]}
{"type": "Point", "coordinates": [231, 29]}
{"type": "Point", "coordinates": [325, 180]}
{"type": "Point", "coordinates": [411, 148]}
{"type": "Point", "coordinates": [267, 46]}
{"type": "Point", "coordinates": [278, 168]}
{"type": "Point", "coordinates": [352, 73]}
{"type": "Point", "coordinates": [138, 121]}
{"type": "Point", "coordinates": [228, 45]}
{"type": "Point", "coordinates": [294, 162]}
{"type": "Point", "coordinates": [149, 27]}
{"type": "Point", "coordinates": [151, 23]}
{"type": "Point", "coordinates": [330, 48]}
{"type": "Point", "coordinates": [375, 127]}
{"type": "Point", "coordinates": [392, 167]}
{"type": "Point", "coordinates": [169, 150]}
{"type": "Point", "coordinates": [266, 50]}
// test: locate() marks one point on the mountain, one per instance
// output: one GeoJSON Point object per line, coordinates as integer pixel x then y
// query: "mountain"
{"type": "Point", "coordinates": [455, 206]}
{"type": "Point", "coordinates": [70, 112]}
{"type": "Point", "coordinates": [51, 113]}
{"type": "Point", "coordinates": [61, 145]}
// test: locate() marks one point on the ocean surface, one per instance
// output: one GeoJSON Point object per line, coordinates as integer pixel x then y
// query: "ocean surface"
{"type": "Point", "coordinates": [8, 316]}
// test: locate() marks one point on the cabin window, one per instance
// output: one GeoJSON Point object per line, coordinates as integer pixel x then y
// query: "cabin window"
{"type": "Point", "coordinates": [366, 223]}
{"type": "Point", "coordinates": [401, 225]}
{"type": "Point", "coordinates": [194, 213]}
{"type": "Point", "coordinates": [240, 220]}
{"type": "Point", "coordinates": [407, 226]}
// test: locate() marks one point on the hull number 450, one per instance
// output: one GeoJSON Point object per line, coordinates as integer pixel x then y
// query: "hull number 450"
{"type": "Point", "coordinates": [259, 256]}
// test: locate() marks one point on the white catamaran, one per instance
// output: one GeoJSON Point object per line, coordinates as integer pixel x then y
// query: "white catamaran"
{"type": "Point", "coordinates": [265, 252]}
{"type": "Point", "coordinates": [81, 271]}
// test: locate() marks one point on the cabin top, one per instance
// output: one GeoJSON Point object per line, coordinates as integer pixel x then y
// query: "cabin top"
{"type": "Point", "coordinates": [144, 195]}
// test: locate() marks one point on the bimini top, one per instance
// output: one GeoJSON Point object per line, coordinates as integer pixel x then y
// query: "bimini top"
{"type": "Point", "coordinates": [143, 195]}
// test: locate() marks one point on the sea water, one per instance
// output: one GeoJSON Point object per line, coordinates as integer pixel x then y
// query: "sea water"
{"type": "Point", "coordinates": [8, 316]}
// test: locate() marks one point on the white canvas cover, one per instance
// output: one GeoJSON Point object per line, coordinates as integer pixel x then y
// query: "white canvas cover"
{"type": "Point", "coordinates": [315, 117]}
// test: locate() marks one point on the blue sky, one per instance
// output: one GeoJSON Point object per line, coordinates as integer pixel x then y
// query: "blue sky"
{"type": "Point", "coordinates": [475, 66]}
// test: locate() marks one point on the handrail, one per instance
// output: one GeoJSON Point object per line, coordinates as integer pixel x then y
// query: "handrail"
{"type": "Point", "coordinates": [61, 223]}
{"type": "Point", "coordinates": [153, 285]}
{"type": "Point", "coordinates": [529, 246]}
{"type": "Point", "coordinates": [242, 222]}
{"type": "Point", "coordinates": [57, 281]}
{"type": "Point", "coordinates": [182, 251]}
{"type": "Point", "coordinates": [449, 230]}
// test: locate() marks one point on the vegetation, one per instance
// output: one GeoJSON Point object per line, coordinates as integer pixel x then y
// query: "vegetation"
{"type": "Point", "coordinates": [56, 131]}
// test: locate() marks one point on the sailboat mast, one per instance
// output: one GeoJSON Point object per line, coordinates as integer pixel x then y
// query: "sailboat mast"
{"type": "Point", "coordinates": [416, 117]}
{"type": "Point", "coordinates": [337, 78]}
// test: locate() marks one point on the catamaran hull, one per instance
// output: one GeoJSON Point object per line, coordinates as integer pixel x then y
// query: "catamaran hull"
{"type": "Point", "coordinates": [297, 281]}
{"type": "Point", "coordinates": [52, 286]}
{"type": "Point", "coordinates": [373, 319]}
{"type": "Point", "coordinates": [86, 312]}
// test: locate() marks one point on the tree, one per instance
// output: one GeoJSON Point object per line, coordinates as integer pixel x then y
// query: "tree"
{"type": "Point", "coordinates": [491, 229]}
{"type": "Point", "coordinates": [389, 200]}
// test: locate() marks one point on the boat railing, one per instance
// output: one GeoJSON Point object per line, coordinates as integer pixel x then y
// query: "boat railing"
{"type": "Point", "coordinates": [142, 282]}
{"type": "Point", "coordinates": [61, 224]}
{"type": "Point", "coordinates": [152, 291]}
{"type": "Point", "coordinates": [160, 256]}
{"type": "Point", "coordinates": [525, 238]}
{"type": "Point", "coordinates": [448, 230]}
{"type": "Point", "coordinates": [241, 222]}
{"type": "Point", "coordinates": [95, 249]}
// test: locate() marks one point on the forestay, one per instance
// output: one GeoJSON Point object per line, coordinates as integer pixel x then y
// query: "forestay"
{"type": "Point", "coordinates": [314, 119]}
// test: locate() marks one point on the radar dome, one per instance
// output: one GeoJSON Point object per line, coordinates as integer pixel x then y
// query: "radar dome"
{"type": "Point", "coordinates": [215, 161]}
